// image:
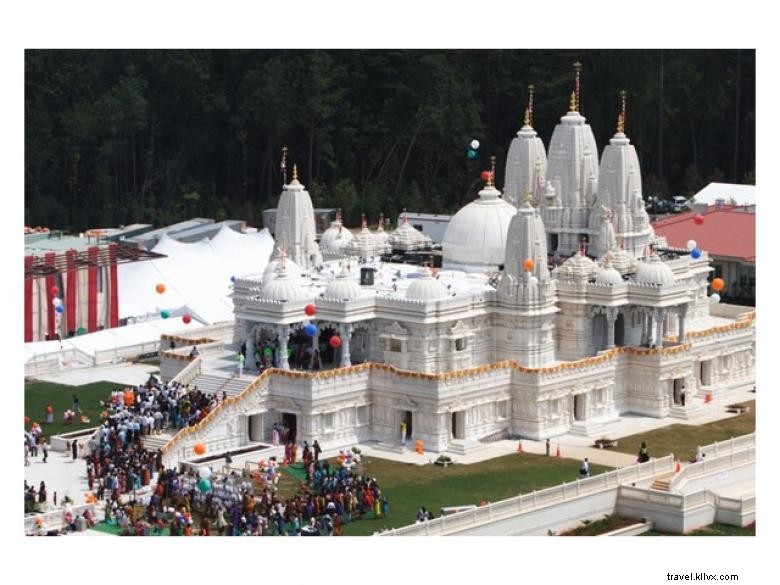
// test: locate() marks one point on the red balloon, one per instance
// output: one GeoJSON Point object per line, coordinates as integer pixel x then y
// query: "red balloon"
{"type": "Point", "coordinates": [335, 341]}
{"type": "Point", "coordinates": [55, 291]}
{"type": "Point", "coordinates": [485, 176]}
{"type": "Point", "coordinates": [309, 310]}
{"type": "Point", "coordinates": [698, 220]}
{"type": "Point", "coordinates": [186, 319]}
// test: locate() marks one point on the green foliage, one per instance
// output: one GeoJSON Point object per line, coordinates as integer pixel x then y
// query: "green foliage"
{"type": "Point", "coordinates": [119, 136]}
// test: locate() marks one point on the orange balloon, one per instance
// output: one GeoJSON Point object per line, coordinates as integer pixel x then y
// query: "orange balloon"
{"type": "Point", "coordinates": [528, 264]}
{"type": "Point", "coordinates": [200, 448]}
{"type": "Point", "coordinates": [160, 288]}
{"type": "Point", "coordinates": [718, 284]}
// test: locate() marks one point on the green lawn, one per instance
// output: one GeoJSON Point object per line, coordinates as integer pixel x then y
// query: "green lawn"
{"type": "Point", "coordinates": [408, 486]}
{"type": "Point", "coordinates": [712, 530]}
{"type": "Point", "coordinates": [682, 440]}
{"type": "Point", "coordinates": [38, 394]}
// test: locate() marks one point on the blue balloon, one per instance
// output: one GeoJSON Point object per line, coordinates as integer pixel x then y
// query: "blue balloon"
{"type": "Point", "coordinates": [311, 330]}
{"type": "Point", "coordinates": [59, 309]}
{"type": "Point", "coordinates": [695, 253]}
{"type": "Point", "coordinates": [232, 279]}
{"type": "Point", "coordinates": [472, 154]}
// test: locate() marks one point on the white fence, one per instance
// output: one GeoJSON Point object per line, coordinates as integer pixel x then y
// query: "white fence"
{"type": "Point", "coordinates": [53, 520]}
{"type": "Point", "coordinates": [535, 500]}
{"type": "Point", "coordinates": [719, 456]}
{"type": "Point", "coordinates": [46, 363]}
{"type": "Point", "coordinates": [189, 372]}
{"type": "Point", "coordinates": [682, 513]}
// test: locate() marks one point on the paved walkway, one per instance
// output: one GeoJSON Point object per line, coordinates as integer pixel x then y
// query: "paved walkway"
{"type": "Point", "coordinates": [130, 374]}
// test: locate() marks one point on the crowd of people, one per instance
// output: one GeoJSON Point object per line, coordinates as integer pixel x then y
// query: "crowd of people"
{"type": "Point", "coordinates": [240, 502]}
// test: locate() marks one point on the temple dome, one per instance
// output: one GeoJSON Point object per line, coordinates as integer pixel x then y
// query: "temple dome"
{"type": "Point", "coordinates": [577, 267]}
{"type": "Point", "coordinates": [654, 271]}
{"type": "Point", "coordinates": [366, 244]}
{"type": "Point", "coordinates": [426, 288]}
{"type": "Point", "coordinates": [292, 269]}
{"type": "Point", "coordinates": [406, 237]}
{"type": "Point", "coordinates": [623, 261]}
{"type": "Point", "coordinates": [475, 240]}
{"type": "Point", "coordinates": [607, 273]}
{"type": "Point", "coordinates": [282, 288]}
{"type": "Point", "coordinates": [343, 288]}
{"type": "Point", "coordinates": [335, 239]}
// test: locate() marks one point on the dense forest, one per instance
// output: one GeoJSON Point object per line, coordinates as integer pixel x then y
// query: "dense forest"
{"type": "Point", "coordinates": [121, 136]}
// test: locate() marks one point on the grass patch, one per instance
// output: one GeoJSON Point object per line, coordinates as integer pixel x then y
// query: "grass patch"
{"type": "Point", "coordinates": [38, 394]}
{"type": "Point", "coordinates": [711, 530]}
{"type": "Point", "coordinates": [606, 524]}
{"type": "Point", "coordinates": [408, 486]}
{"type": "Point", "coordinates": [682, 440]}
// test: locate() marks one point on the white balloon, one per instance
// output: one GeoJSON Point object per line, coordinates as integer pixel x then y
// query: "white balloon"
{"type": "Point", "coordinates": [56, 301]}
{"type": "Point", "coordinates": [715, 297]}
{"type": "Point", "coordinates": [691, 244]}
{"type": "Point", "coordinates": [204, 473]}
{"type": "Point", "coordinates": [475, 144]}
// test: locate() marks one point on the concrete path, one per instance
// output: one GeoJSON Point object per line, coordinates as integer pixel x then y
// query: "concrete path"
{"type": "Point", "coordinates": [130, 374]}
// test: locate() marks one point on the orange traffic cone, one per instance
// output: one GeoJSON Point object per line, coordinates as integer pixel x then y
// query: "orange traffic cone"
{"type": "Point", "coordinates": [558, 451]}
{"type": "Point", "coordinates": [519, 446]}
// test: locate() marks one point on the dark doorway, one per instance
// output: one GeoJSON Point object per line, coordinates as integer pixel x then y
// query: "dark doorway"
{"type": "Point", "coordinates": [620, 330]}
{"type": "Point", "coordinates": [679, 392]}
{"type": "Point", "coordinates": [457, 425]}
{"type": "Point", "coordinates": [553, 243]}
{"type": "Point", "coordinates": [579, 407]}
{"type": "Point", "coordinates": [289, 426]}
{"type": "Point", "coordinates": [408, 421]}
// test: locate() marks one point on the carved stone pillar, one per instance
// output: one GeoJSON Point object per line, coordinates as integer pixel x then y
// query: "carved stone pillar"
{"type": "Point", "coordinates": [681, 310]}
{"type": "Point", "coordinates": [659, 315]}
{"type": "Point", "coordinates": [345, 331]}
{"type": "Point", "coordinates": [284, 334]}
{"type": "Point", "coordinates": [612, 314]}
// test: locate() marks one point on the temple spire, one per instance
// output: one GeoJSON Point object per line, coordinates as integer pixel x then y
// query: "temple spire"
{"type": "Point", "coordinates": [573, 102]}
{"type": "Point", "coordinates": [295, 172]}
{"type": "Point", "coordinates": [622, 117]}
{"type": "Point", "coordinates": [283, 164]}
{"type": "Point", "coordinates": [577, 70]}
{"type": "Point", "coordinates": [492, 177]}
{"type": "Point", "coordinates": [529, 112]}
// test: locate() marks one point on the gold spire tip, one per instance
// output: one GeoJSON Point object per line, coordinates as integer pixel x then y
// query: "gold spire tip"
{"type": "Point", "coordinates": [295, 172]}
{"type": "Point", "coordinates": [526, 195]}
{"type": "Point", "coordinates": [491, 178]}
{"type": "Point", "coordinates": [573, 102]}
{"type": "Point", "coordinates": [527, 119]}
{"type": "Point", "coordinates": [620, 123]}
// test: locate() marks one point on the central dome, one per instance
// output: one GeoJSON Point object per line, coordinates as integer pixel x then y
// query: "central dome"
{"type": "Point", "coordinates": [475, 240]}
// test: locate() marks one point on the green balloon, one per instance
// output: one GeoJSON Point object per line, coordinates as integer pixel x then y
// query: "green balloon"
{"type": "Point", "coordinates": [472, 154]}
{"type": "Point", "coordinates": [165, 314]}
{"type": "Point", "coordinates": [80, 331]}
{"type": "Point", "coordinates": [204, 484]}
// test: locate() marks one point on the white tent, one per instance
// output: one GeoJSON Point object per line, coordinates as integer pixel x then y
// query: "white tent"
{"type": "Point", "coordinates": [728, 193]}
{"type": "Point", "coordinates": [197, 276]}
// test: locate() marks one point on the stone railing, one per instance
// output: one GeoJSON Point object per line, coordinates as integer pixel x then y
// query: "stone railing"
{"type": "Point", "coordinates": [49, 362]}
{"type": "Point", "coordinates": [189, 373]}
{"type": "Point", "coordinates": [53, 520]}
{"type": "Point", "coordinates": [719, 456]}
{"type": "Point", "coordinates": [535, 500]}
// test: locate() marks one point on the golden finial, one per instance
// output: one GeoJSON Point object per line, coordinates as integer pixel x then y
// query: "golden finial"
{"type": "Point", "coordinates": [530, 109]}
{"type": "Point", "coordinates": [492, 177]}
{"type": "Point", "coordinates": [622, 110]}
{"type": "Point", "coordinates": [577, 70]}
{"type": "Point", "coordinates": [573, 102]}
{"type": "Point", "coordinates": [527, 119]}
{"type": "Point", "coordinates": [620, 127]}
{"type": "Point", "coordinates": [284, 165]}
{"type": "Point", "coordinates": [526, 195]}
{"type": "Point", "coordinates": [295, 172]}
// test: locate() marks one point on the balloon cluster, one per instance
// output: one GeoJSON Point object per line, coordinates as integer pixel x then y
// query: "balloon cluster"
{"type": "Point", "coordinates": [472, 151]}
{"type": "Point", "coordinates": [693, 248]}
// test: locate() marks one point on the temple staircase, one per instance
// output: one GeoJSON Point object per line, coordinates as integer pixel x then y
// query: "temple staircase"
{"type": "Point", "coordinates": [217, 383]}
